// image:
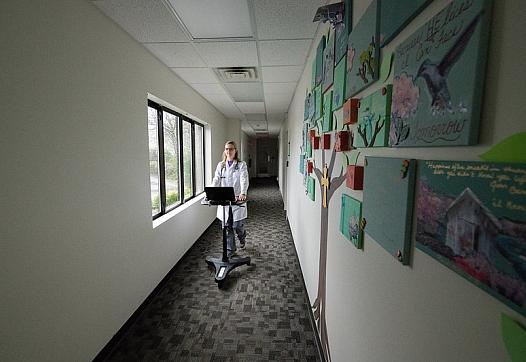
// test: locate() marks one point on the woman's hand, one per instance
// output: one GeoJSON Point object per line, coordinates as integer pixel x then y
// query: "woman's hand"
{"type": "Point", "coordinates": [242, 197]}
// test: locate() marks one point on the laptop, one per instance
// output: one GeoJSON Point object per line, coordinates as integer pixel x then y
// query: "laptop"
{"type": "Point", "coordinates": [220, 193]}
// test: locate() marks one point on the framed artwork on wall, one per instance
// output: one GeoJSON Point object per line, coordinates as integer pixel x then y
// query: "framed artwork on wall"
{"type": "Point", "coordinates": [374, 112]}
{"type": "Point", "coordinates": [363, 52]}
{"type": "Point", "coordinates": [328, 64]}
{"type": "Point", "coordinates": [388, 190]}
{"type": "Point", "coordinates": [471, 217]}
{"type": "Point", "coordinates": [439, 79]}
{"type": "Point", "coordinates": [338, 90]}
{"type": "Point", "coordinates": [351, 220]}
{"type": "Point", "coordinates": [342, 30]}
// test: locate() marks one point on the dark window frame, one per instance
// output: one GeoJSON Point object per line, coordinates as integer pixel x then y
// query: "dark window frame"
{"type": "Point", "coordinates": [162, 167]}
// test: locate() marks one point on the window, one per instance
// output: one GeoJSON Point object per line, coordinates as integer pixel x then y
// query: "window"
{"type": "Point", "coordinates": [176, 154]}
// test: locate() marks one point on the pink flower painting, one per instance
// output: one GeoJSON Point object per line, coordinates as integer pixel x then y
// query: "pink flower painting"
{"type": "Point", "coordinates": [404, 104]}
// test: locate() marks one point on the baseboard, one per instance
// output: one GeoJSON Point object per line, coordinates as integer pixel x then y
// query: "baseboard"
{"type": "Point", "coordinates": [108, 349]}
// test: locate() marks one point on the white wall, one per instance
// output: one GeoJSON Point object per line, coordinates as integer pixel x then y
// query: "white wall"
{"type": "Point", "coordinates": [78, 250]}
{"type": "Point", "coordinates": [378, 309]}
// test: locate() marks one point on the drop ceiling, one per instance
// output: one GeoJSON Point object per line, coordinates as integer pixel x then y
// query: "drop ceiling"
{"type": "Point", "coordinates": [244, 56]}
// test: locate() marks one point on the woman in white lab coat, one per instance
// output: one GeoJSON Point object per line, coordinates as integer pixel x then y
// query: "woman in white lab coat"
{"type": "Point", "coordinates": [233, 172]}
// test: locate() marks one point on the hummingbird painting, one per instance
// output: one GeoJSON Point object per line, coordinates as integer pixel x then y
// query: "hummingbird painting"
{"type": "Point", "coordinates": [435, 75]}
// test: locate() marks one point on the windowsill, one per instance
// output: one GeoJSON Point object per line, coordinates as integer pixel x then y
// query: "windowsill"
{"type": "Point", "coordinates": [160, 220]}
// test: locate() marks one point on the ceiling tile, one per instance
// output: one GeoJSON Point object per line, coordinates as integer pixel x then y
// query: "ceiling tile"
{"type": "Point", "coordinates": [245, 92]}
{"type": "Point", "coordinates": [208, 19]}
{"type": "Point", "coordinates": [290, 73]}
{"type": "Point", "coordinates": [196, 75]}
{"type": "Point", "coordinates": [286, 19]}
{"type": "Point", "coordinates": [283, 52]}
{"type": "Point", "coordinates": [208, 88]}
{"type": "Point", "coordinates": [176, 54]}
{"type": "Point", "coordinates": [251, 107]}
{"type": "Point", "coordinates": [228, 54]}
{"type": "Point", "coordinates": [256, 117]}
{"type": "Point", "coordinates": [279, 88]}
{"type": "Point", "coordinates": [145, 20]}
{"type": "Point", "coordinates": [277, 103]}
{"type": "Point", "coordinates": [224, 104]}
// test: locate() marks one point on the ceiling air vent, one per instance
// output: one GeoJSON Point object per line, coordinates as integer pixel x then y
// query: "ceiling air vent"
{"type": "Point", "coordinates": [237, 74]}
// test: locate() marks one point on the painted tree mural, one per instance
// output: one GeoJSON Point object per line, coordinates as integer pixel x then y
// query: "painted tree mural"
{"type": "Point", "coordinates": [328, 186]}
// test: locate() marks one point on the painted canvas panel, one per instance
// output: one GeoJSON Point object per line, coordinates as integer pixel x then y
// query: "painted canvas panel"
{"type": "Point", "coordinates": [342, 30]}
{"type": "Point", "coordinates": [471, 216]}
{"type": "Point", "coordinates": [313, 75]}
{"type": "Point", "coordinates": [307, 106]}
{"type": "Point", "coordinates": [319, 61]}
{"type": "Point", "coordinates": [388, 192]}
{"type": "Point", "coordinates": [318, 104]}
{"type": "Point", "coordinates": [311, 188]}
{"type": "Point", "coordinates": [350, 220]}
{"type": "Point", "coordinates": [301, 164]}
{"type": "Point", "coordinates": [363, 52]}
{"type": "Point", "coordinates": [338, 90]}
{"type": "Point", "coordinates": [395, 15]}
{"type": "Point", "coordinates": [373, 119]}
{"type": "Point", "coordinates": [438, 78]}
{"type": "Point", "coordinates": [327, 112]}
{"type": "Point", "coordinates": [328, 64]}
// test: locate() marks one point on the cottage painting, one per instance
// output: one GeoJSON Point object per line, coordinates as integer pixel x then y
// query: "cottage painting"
{"type": "Point", "coordinates": [471, 216]}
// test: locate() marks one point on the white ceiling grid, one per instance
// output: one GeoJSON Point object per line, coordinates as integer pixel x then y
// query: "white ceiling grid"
{"type": "Point", "coordinates": [193, 37]}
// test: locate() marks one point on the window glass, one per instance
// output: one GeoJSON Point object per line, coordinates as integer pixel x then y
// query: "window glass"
{"type": "Point", "coordinates": [154, 161]}
{"type": "Point", "coordinates": [199, 160]}
{"type": "Point", "coordinates": [171, 158]}
{"type": "Point", "coordinates": [187, 159]}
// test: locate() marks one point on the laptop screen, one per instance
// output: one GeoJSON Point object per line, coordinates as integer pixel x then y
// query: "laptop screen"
{"type": "Point", "coordinates": [220, 193]}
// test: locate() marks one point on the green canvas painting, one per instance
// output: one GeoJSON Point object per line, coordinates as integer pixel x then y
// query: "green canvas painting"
{"type": "Point", "coordinates": [471, 217]}
{"type": "Point", "coordinates": [302, 164]}
{"type": "Point", "coordinates": [342, 30]}
{"type": "Point", "coordinates": [318, 103]}
{"type": "Point", "coordinates": [338, 90]}
{"type": "Point", "coordinates": [319, 61]}
{"type": "Point", "coordinates": [439, 76]}
{"type": "Point", "coordinates": [388, 190]}
{"type": "Point", "coordinates": [311, 188]}
{"type": "Point", "coordinates": [328, 64]}
{"type": "Point", "coordinates": [395, 15]}
{"type": "Point", "coordinates": [363, 52]}
{"type": "Point", "coordinates": [313, 75]}
{"type": "Point", "coordinates": [350, 220]}
{"type": "Point", "coordinates": [373, 119]}
{"type": "Point", "coordinates": [327, 112]}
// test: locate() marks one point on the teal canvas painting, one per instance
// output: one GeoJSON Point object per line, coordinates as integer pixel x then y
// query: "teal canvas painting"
{"type": "Point", "coordinates": [311, 188]}
{"type": "Point", "coordinates": [439, 76]}
{"type": "Point", "coordinates": [318, 103]}
{"type": "Point", "coordinates": [388, 191]}
{"type": "Point", "coordinates": [338, 90]}
{"type": "Point", "coordinates": [395, 15]}
{"type": "Point", "coordinates": [373, 119]}
{"type": "Point", "coordinates": [327, 112]}
{"type": "Point", "coordinates": [328, 64]}
{"type": "Point", "coordinates": [471, 217]}
{"type": "Point", "coordinates": [302, 164]}
{"type": "Point", "coordinates": [342, 30]}
{"type": "Point", "coordinates": [363, 52]}
{"type": "Point", "coordinates": [350, 220]}
{"type": "Point", "coordinates": [319, 61]}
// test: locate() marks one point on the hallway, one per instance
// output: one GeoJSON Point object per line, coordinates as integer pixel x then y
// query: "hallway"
{"type": "Point", "coordinates": [260, 314]}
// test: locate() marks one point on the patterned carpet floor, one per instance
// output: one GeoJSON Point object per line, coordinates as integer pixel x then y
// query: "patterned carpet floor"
{"type": "Point", "coordinates": [261, 313]}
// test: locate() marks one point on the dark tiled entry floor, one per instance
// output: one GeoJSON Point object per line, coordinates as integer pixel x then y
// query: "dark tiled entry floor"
{"type": "Point", "coordinates": [260, 314]}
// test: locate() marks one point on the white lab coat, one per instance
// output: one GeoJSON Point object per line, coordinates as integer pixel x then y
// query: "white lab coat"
{"type": "Point", "coordinates": [235, 176]}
